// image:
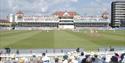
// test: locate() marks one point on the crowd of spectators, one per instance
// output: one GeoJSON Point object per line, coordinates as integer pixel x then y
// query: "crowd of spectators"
{"type": "Point", "coordinates": [70, 57]}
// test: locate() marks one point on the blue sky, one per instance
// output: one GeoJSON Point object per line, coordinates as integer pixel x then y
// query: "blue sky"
{"type": "Point", "coordinates": [47, 7]}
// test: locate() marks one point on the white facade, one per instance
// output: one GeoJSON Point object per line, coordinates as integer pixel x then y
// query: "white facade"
{"type": "Point", "coordinates": [11, 17]}
{"type": "Point", "coordinates": [37, 19]}
{"type": "Point", "coordinates": [65, 21]}
{"type": "Point", "coordinates": [91, 19]}
{"type": "Point", "coordinates": [55, 18]}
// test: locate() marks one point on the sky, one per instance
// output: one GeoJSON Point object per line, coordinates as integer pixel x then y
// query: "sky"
{"type": "Point", "coordinates": [47, 7]}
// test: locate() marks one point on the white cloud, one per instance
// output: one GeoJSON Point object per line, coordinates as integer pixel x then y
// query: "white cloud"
{"type": "Point", "coordinates": [74, 0]}
{"type": "Point", "coordinates": [53, 5]}
{"type": "Point", "coordinates": [36, 5]}
{"type": "Point", "coordinates": [64, 1]}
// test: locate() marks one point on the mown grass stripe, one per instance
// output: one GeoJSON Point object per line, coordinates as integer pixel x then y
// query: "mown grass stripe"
{"type": "Point", "coordinates": [6, 41]}
{"type": "Point", "coordinates": [11, 33]}
{"type": "Point", "coordinates": [68, 39]}
{"type": "Point", "coordinates": [61, 39]}
{"type": "Point", "coordinates": [120, 33]}
{"type": "Point", "coordinates": [38, 40]}
{"type": "Point", "coordinates": [99, 38]}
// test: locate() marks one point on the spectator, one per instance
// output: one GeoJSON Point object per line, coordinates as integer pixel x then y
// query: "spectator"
{"type": "Point", "coordinates": [34, 59]}
{"type": "Point", "coordinates": [45, 58]}
{"type": "Point", "coordinates": [65, 61]}
{"type": "Point", "coordinates": [93, 60]}
{"type": "Point", "coordinates": [111, 49]}
{"type": "Point", "coordinates": [123, 60]}
{"type": "Point", "coordinates": [78, 50]}
{"type": "Point", "coordinates": [122, 57]}
{"type": "Point", "coordinates": [65, 57]}
{"type": "Point", "coordinates": [21, 60]}
{"type": "Point", "coordinates": [75, 60]}
{"type": "Point", "coordinates": [97, 60]}
{"type": "Point", "coordinates": [104, 60]}
{"type": "Point", "coordinates": [39, 59]}
{"type": "Point", "coordinates": [60, 60]}
{"type": "Point", "coordinates": [81, 57]}
{"type": "Point", "coordinates": [56, 60]}
{"type": "Point", "coordinates": [114, 59]}
{"type": "Point", "coordinates": [86, 59]}
{"type": "Point", "coordinates": [8, 50]}
{"type": "Point", "coordinates": [17, 52]}
{"type": "Point", "coordinates": [0, 58]}
{"type": "Point", "coordinates": [117, 55]}
{"type": "Point", "coordinates": [70, 61]}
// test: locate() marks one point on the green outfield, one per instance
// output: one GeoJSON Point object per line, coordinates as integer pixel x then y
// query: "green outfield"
{"type": "Point", "coordinates": [61, 39]}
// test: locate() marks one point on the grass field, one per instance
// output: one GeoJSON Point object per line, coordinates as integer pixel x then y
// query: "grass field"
{"type": "Point", "coordinates": [61, 39]}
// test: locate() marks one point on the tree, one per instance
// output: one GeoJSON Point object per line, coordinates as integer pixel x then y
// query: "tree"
{"type": "Point", "coordinates": [13, 25]}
